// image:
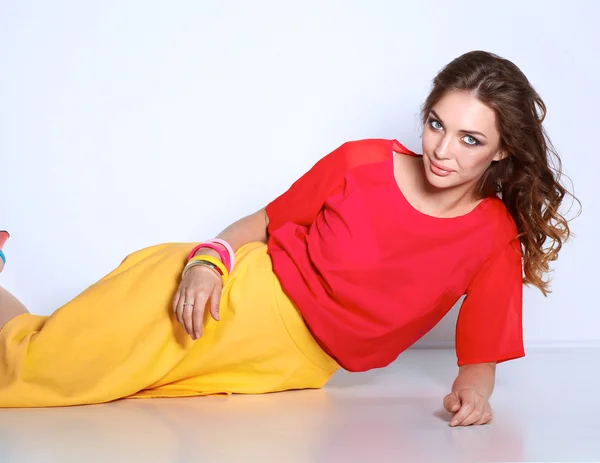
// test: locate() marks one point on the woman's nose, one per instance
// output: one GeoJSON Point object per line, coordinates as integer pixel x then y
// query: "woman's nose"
{"type": "Point", "coordinates": [442, 150]}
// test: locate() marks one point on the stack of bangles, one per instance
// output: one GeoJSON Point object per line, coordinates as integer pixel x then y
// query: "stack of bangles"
{"type": "Point", "coordinates": [223, 267]}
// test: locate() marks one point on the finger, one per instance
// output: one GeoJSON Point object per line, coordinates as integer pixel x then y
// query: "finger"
{"type": "Point", "coordinates": [473, 418]}
{"type": "Point", "coordinates": [198, 316]}
{"type": "Point", "coordinates": [487, 415]}
{"type": "Point", "coordinates": [179, 308]}
{"type": "Point", "coordinates": [215, 302]}
{"type": "Point", "coordinates": [465, 410]}
{"type": "Point", "coordinates": [485, 418]}
{"type": "Point", "coordinates": [451, 403]}
{"type": "Point", "coordinates": [188, 308]}
{"type": "Point", "coordinates": [176, 299]}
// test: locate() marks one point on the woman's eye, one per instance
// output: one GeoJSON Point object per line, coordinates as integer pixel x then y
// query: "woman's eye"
{"type": "Point", "coordinates": [469, 140]}
{"type": "Point", "coordinates": [435, 124]}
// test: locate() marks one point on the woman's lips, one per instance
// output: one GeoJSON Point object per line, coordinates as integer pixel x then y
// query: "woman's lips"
{"type": "Point", "coordinates": [439, 170]}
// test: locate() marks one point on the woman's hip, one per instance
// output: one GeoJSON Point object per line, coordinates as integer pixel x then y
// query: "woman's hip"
{"type": "Point", "coordinates": [260, 344]}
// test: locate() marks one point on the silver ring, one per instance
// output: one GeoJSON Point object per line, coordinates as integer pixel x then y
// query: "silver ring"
{"type": "Point", "coordinates": [188, 303]}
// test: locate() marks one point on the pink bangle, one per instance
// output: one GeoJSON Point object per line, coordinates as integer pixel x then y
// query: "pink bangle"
{"type": "Point", "coordinates": [223, 255]}
{"type": "Point", "coordinates": [226, 245]}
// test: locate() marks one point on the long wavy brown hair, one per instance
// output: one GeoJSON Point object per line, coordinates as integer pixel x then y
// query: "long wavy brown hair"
{"type": "Point", "coordinates": [527, 180]}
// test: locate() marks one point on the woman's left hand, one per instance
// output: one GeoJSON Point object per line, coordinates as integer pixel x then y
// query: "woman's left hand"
{"type": "Point", "coordinates": [469, 407]}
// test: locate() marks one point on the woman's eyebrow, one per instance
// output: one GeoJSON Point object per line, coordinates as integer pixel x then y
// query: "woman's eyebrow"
{"type": "Point", "coordinates": [461, 131]}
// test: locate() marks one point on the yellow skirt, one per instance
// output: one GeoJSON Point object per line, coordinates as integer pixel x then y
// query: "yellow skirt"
{"type": "Point", "coordinates": [120, 339]}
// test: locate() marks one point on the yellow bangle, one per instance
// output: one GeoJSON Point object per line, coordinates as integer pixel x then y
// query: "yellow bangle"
{"type": "Point", "coordinates": [211, 260]}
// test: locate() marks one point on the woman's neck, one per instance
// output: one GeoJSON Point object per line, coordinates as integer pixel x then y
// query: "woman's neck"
{"type": "Point", "coordinates": [447, 202]}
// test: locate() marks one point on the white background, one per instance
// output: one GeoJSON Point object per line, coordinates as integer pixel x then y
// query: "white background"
{"type": "Point", "coordinates": [129, 123]}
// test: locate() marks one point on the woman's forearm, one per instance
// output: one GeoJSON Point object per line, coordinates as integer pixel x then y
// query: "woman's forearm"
{"type": "Point", "coordinates": [248, 229]}
{"type": "Point", "coordinates": [480, 377]}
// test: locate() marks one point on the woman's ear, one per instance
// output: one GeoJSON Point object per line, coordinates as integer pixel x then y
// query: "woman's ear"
{"type": "Point", "coordinates": [500, 155]}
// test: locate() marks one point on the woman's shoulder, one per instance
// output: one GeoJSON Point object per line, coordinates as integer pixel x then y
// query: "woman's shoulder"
{"type": "Point", "coordinates": [495, 212]}
{"type": "Point", "coordinates": [377, 146]}
{"type": "Point", "coordinates": [369, 150]}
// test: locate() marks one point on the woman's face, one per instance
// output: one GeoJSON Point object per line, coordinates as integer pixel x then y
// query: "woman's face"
{"type": "Point", "coordinates": [460, 141]}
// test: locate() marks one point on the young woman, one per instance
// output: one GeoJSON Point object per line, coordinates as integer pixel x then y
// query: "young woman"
{"type": "Point", "coordinates": [356, 261]}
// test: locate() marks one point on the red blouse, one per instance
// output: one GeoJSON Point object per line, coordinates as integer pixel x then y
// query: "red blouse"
{"type": "Point", "coordinates": [371, 275]}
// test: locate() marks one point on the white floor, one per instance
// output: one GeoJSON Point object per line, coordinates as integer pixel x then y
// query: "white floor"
{"type": "Point", "coordinates": [547, 408]}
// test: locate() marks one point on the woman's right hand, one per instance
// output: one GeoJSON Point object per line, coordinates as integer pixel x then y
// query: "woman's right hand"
{"type": "Point", "coordinates": [199, 285]}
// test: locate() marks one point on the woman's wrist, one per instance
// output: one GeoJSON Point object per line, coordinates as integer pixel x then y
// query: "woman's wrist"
{"type": "Point", "coordinates": [478, 377]}
{"type": "Point", "coordinates": [210, 268]}
{"type": "Point", "coordinates": [207, 257]}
